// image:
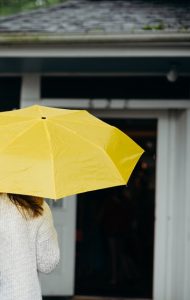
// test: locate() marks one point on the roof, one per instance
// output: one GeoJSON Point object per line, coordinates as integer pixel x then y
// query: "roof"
{"type": "Point", "coordinates": [87, 17]}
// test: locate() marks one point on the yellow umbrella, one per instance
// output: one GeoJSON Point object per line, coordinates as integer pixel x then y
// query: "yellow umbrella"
{"type": "Point", "coordinates": [53, 153]}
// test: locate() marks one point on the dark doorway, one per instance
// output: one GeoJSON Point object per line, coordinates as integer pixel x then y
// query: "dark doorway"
{"type": "Point", "coordinates": [115, 227]}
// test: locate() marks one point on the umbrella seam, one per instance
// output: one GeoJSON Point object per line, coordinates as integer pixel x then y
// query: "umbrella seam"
{"type": "Point", "coordinates": [101, 149]}
{"type": "Point", "coordinates": [11, 114]}
{"type": "Point", "coordinates": [49, 142]}
{"type": "Point", "coordinates": [40, 110]}
{"type": "Point", "coordinates": [101, 123]}
{"type": "Point", "coordinates": [18, 135]}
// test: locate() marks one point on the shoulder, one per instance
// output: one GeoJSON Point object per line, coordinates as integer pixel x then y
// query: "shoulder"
{"type": "Point", "coordinates": [4, 197]}
{"type": "Point", "coordinates": [46, 209]}
{"type": "Point", "coordinates": [46, 218]}
{"type": "Point", "coordinates": [6, 206]}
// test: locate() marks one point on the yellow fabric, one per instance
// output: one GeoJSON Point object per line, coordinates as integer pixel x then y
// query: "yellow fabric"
{"type": "Point", "coordinates": [53, 153]}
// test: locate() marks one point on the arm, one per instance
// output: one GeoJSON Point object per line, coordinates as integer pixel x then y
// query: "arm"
{"type": "Point", "coordinates": [47, 244]}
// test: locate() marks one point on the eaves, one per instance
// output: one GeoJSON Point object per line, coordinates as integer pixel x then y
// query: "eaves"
{"type": "Point", "coordinates": [63, 45]}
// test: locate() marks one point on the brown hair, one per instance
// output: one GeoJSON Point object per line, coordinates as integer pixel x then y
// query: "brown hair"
{"type": "Point", "coordinates": [29, 206]}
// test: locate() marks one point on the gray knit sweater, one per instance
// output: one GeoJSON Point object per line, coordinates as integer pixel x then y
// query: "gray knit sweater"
{"type": "Point", "coordinates": [26, 247]}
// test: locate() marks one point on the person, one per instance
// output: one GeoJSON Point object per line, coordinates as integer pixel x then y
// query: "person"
{"type": "Point", "coordinates": [28, 245]}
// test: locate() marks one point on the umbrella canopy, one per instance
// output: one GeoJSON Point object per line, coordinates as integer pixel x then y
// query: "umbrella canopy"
{"type": "Point", "coordinates": [53, 153]}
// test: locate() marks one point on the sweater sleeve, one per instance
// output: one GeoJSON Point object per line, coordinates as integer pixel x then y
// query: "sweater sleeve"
{"type": "Point", "coordinates": [48, 253]}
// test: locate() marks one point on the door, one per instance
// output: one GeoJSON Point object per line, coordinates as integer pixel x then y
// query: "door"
{"type": "Point", "coordinates": [61, 281]}
{"type": "Point", "coordinates": [115, 243]}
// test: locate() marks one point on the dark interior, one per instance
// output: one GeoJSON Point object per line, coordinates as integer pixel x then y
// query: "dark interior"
{"type": "Point", "coordinates": [115, 227]}
{"type": "Point", "coordinates": [126, 87]}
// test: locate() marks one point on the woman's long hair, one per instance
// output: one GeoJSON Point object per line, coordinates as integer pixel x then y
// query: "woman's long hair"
{"type": "Point", "coordinates": [29, 206]}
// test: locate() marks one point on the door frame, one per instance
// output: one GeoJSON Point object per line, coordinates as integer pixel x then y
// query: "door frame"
{"type": "Point", "coordinates": [171, 266]}
{"type": "Point", "coordinates": [161, 248]}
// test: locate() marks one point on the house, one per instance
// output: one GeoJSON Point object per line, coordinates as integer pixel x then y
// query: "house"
{"type": "Point", "coordinates": [121, 60]}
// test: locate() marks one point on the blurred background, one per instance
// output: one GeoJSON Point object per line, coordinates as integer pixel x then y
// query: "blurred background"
{"type": "Point", "coordinates": [9, 7]}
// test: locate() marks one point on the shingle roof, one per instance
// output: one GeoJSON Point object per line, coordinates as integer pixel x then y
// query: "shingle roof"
{"type": "Point", "coordinates": [102, 17]}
